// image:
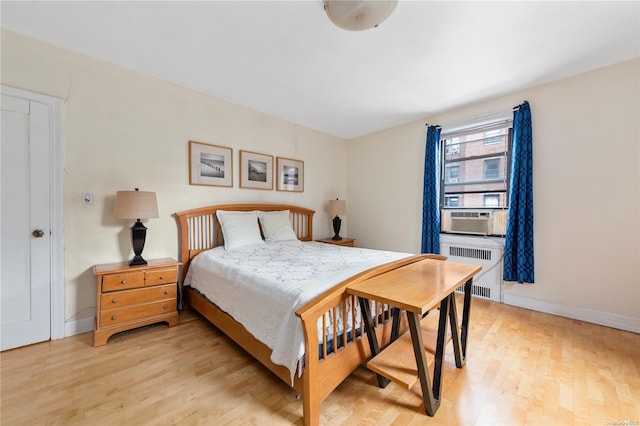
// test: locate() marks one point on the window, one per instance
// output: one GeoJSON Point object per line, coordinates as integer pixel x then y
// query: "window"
{"type": "Point", "coordinates": [451, 174]}
{"type": "Point", "coordinates": [475, 165]}
{"type": "Point", "coordinates": [452, 201]}
{"type": "Point", "coordinates": [492, 136]}
{"type": "Point", "coordinates": [492, 169]}
{"type": "Point", "coordinates": [492, 200]}
{"type": "Point", "coordinates": [453, 148]}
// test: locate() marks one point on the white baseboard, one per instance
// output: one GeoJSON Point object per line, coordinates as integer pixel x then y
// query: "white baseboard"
{"type": "Point", "coordinates": [80, 326]}
{"type": "Point", "coordinates": [583, 314]}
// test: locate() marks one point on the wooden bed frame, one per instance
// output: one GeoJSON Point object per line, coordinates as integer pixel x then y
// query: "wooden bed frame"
{"type": "Point", "coordinates": [200, 231]}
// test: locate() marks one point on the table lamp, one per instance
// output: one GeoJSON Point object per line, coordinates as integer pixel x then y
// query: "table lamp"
{"type": "Point", "coordinates": [136, 205]}
{"type": "Point", "coordinates": [337, 207]}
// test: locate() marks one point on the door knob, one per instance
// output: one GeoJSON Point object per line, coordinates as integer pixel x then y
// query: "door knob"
{"type": "Point", "coordinates": [38, 233]}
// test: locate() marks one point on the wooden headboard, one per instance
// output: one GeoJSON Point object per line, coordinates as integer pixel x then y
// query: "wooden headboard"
{"type": "Point", "coordinates": [200, 230]}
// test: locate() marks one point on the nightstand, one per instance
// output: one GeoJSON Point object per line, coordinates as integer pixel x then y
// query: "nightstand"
{"type": "Point", "coordinates": [346, 242]}
{"type": "Point", "coordinates": [133, 296]}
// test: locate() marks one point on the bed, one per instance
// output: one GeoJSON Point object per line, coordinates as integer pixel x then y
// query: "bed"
{"type": "Point", "coordinates": [341, 347]}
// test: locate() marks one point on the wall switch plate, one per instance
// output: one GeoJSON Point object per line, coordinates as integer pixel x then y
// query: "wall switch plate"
{"type": "Point", "coordinates": [87, 198]}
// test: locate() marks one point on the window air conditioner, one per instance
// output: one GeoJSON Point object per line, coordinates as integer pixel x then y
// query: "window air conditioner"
{"type": "Point", "coordinates": [477, 222]}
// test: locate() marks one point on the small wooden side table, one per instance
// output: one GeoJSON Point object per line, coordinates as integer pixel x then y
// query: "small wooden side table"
{"type": "Point", "coordinates": [345, 242]}
{"type": "Point", "coordinates": [416, 288]}
{"type": "Point", "coordinates": [133, 296]}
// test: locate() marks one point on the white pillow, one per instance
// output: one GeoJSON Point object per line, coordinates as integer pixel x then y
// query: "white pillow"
{"type": "Point", "coordinates": [239, 229]}
{"type": "Point", "coordinates": [276, 226]}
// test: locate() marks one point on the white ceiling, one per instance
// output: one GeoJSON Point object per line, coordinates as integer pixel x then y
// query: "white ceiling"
{"type": "Point", "coordinates": [286, 59]}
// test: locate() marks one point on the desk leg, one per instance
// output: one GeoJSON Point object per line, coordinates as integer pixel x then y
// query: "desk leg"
{"type": "Point", "coordinates": [395, 325]}
{"type": "Point", "coordinates": [430, 392]}
{"type": "Point", "coordinates": [455, 333]}
{"type": "Point", "coordinates": [466, 312]}
{"type": "Point", "coordinates": [371, 336]}
{"type": "Point", "coordinates": [460, 336]}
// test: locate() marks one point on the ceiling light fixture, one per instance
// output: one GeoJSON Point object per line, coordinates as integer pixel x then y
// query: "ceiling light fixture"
{"type": "Point", "coordinates": [358, 15]}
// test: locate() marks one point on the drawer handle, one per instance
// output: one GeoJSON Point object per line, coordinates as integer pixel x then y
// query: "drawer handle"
{"type": "Point", "coordinates": [113, 318]}
{"type": "Point", "coordinates": [123, 282]}
{"type": "Point", "coordinates": [114, 301]}
{"type": "Point", "coordinates": [161, 277]}
{"type": "Point", "coordinates": [166, 292]}
{"type": "Point", "coordinates": [166, 306]}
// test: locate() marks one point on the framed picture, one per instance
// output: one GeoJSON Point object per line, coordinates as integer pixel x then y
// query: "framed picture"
{"type": "Point", "coordinates": [290, 174]}
{"type": "Point", "coordinates": [256, 170]}
{"type": "Point", "coordinates": [210, 164]}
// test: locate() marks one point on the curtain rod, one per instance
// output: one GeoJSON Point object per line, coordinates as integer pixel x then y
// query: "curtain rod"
{"type": "Point", "coordinates": [517, 107]}
{"type": "Point", "coordinates": [483, 119]}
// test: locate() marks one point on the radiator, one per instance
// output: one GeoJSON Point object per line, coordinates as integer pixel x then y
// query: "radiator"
{"type": "Point", "coordinates": [487, 284]}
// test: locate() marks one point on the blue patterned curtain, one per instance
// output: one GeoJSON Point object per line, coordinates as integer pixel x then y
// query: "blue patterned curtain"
{"type": "Point", "coordinates": [518, 257]}
{"type": "Point", "coordinates": [431, 193]}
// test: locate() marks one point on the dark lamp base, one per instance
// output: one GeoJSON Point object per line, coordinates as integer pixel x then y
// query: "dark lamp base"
{"type": "Point", "coordinates": [137, 260]}
{"type": "Point", "coordinates": [336, 228]}
{"type": "Point", "coordinates": [138, 236]}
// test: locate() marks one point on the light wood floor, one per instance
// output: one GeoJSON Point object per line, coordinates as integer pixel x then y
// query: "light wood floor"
{"type": "Point", "coordinates": [523, 368]}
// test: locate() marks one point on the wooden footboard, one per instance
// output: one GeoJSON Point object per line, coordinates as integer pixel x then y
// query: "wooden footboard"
{"type": "Point", "coordinates": [324, 371]}
{"type": "Point", "coordinates": [322, 374]}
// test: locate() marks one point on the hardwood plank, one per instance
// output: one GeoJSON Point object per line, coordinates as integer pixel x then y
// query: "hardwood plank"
{"type": "Point", "coordinates": [523, 368]}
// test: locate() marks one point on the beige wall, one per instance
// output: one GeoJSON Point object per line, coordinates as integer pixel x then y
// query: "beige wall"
{"type": "Point", "coordinates": [586, 132]}
{"type": "Point", "coordinates": [123, 130]}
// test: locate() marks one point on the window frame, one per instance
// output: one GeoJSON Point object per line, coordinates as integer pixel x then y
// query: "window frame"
{"type": "Point", "coordinates": [443, 152]}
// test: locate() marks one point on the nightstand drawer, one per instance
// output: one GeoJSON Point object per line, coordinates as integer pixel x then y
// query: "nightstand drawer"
{"type": "Point", "coordinates": [163, 276]}
{"type": "Point", "coordinates": [137, 296]}
{"type": "Point", "coordinates": [122, 281]}
{"type": "Point", "coordinates": [119, 316]}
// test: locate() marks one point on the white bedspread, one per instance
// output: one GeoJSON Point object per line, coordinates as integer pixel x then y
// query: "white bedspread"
{"type": "Point", "coordinates": [262, 286]}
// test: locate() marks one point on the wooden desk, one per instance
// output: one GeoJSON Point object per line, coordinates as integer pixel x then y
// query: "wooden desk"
{"type": "Point", "coordinates": [417, 288]}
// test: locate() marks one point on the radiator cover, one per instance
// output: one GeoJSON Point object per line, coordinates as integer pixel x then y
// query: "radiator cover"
{"type": "Point", "coordinates": [486, 252]}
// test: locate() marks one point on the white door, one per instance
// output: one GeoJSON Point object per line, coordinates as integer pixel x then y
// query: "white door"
{"type": "Point", "coordinates": [25, 229]}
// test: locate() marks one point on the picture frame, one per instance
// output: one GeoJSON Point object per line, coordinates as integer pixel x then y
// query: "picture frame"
{"type": "Point", "coordinates": [210, 165]}
{"type": "Point", "coordinates": [290, 174]}
{"type": "Point", "coordinates": [256, 170]}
